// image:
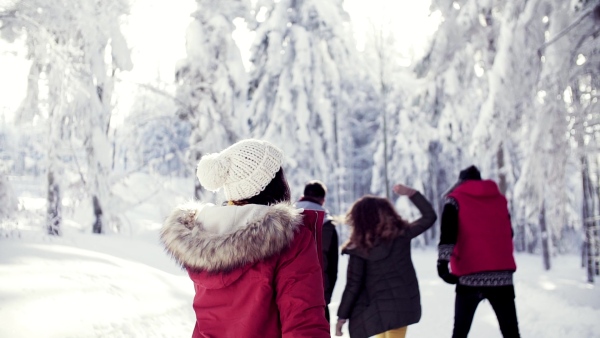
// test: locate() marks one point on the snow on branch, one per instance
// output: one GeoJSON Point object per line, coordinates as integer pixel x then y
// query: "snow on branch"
{"type": "Point", "coordinates": [596, 16]}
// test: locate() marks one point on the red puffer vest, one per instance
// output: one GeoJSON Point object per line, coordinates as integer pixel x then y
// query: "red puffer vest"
{"type": "Point", "coordinates": [255, 269]}
{"type": "Point", "coordinates": [484, 240]}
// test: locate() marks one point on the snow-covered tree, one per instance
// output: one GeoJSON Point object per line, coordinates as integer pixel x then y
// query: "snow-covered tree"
{"type": "Point", "coordinates": [364, 126]}
{"type": "Point", "coordinates": [381, 58]}
{"type": "Point", "coordinates": [562, 115]}
{"type": "Point", "coordinates": [434, 104]}
{"type": "Point", "coordinates": [8, 200]}
{"type": "Point", "coordinates": [153, 139]}
{"type": "Point", "coordinates": [212, 82]}
{"type": "Point", "coordinates": [76, 47]}
{"type": "Point", "coordinates": [302, 82]}
{"type": "Point", "coordinates": [454, 87]}
{"type": "Point", "coordinates": [507, 83]}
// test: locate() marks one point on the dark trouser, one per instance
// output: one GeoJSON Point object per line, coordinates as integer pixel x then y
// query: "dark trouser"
{"type": "Point", "coordinates": [502, 299]}
{"type": "Point", "coordinates": [327, 313]}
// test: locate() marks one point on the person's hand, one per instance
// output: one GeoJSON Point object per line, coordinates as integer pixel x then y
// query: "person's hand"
{"type": "Point", "coordinates": [338, 327]}
{"type": "Point", "coordinates": [404, 190]}
{"type": "Point", "coordinates": [444, 272]}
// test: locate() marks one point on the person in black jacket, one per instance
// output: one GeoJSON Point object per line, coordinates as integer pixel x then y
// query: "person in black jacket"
{"type": "Point", "coordinates": [314, 199]}
{"type": "Point", "coordinates": [382, 295]}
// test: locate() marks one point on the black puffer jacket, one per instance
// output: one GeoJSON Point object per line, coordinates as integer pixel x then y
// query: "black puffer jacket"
{"type": "Point", "coordinates": [382, 291]}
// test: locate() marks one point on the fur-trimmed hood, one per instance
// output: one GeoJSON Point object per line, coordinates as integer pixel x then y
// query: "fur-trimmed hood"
{"type": "Point", "coordinates": [223, 238]}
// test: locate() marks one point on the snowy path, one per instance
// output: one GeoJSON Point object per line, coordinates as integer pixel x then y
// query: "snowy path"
{"type": "Point", "coordinates": [555, 304]}
{"type": "Point", "coordinates": [91, 286]}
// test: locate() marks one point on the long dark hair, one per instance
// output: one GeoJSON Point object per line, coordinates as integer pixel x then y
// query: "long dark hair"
{"type": "Point", "coordinates": [373, 220]}
{"type": "Point", "coordinates": [276, 191]}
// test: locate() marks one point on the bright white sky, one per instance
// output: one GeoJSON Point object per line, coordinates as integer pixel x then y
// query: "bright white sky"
{"type": "Point", "coordinates": [13, 77]}
{"type": "Point", "coordinates": [408, 21]}
{"type": "Point", "coordinates": [156, 35]}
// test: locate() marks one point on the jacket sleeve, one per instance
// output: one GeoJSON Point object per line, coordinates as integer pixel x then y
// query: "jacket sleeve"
{"type": "Point", "coordinates": [299, 289]}
{"type": "Point", "coordinates": [354, 284]}
{"type": "Point", "coordinates": [331, 256]}
{"type": "Point", "coordinates": [449, 229]}
{"type": "Point", "coordinates": [427, 219]}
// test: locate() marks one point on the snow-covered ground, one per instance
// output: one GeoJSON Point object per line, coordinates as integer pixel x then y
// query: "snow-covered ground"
{"type": "Point", "coordinates": [111, 286]}
{"type": "Point", "coordinates": [124, 285]}
{"type": "Point", "coordinates": [91, 286]}
{"type": "Point", "coordinates": [550, 304]}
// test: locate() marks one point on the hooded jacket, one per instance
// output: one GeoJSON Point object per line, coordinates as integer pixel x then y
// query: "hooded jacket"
{"type": "Point", "coordinates": [329, 246]}
{"type": "Point", "coordinates": [382, 290]}
{"type": "Point", "coordinates": [255, 269]}
{"type": "Point", "coordinates": [484, 240]}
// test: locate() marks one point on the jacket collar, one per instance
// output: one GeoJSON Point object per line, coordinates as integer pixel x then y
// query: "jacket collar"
{"type": "Point", "coordinates": [223, 238]}
{"type": "Point", "coordinates": [307, 204]}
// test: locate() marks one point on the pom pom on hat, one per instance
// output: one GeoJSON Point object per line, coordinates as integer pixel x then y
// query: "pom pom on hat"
{"type": "Point", "coordinates": [243, 170]}
{"type": "Point", "coordinates": [212, 171]}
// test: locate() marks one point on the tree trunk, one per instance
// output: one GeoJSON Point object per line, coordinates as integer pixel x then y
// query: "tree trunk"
{"type": "Point", "coordinates": [435, 150]}
{"type": "Point", "coordinates": [97, 140]}
{"type": "Point", "coordinates": [597, 249]}
{"type": "Point", "coordinates": [337, 161]}
{"type": "Point", "coordinates": [197, 189]}
{"type": "Point", "coordinates": [53, 216]}
{"type": "Point", "coordinates": [98, 224]}
{"type": "Point", "coordinates": [587, 216]}
{"type": "Point", "coordinates": [584, 248]}
{"type": "Point", "coordinates": [380, 45]}
{"type": "Point", "coordinates": [196, 155]}
{"type": "Point", "coordinates": [520, 237]}
{"type": "Point", "coordinates": [502, 184]}
{"type": "Point", "coordinates": [545, 238]}
{"type": "Point", "coordinates": [596, 225]}
{"type": "Point", "coordinates": [385, 152]}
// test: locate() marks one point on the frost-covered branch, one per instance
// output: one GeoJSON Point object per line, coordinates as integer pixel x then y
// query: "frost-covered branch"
{"type": "Point", "coordinates": [567, 29]}
{"type": "Point", "coordinates": [166, 94]}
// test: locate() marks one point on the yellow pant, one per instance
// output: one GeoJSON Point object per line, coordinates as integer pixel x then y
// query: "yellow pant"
{"type": "Point", "coordinates": [395, 333]}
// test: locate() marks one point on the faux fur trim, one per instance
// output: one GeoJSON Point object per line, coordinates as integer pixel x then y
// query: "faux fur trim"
{"type": "Point", "coordinates": [185, 238]}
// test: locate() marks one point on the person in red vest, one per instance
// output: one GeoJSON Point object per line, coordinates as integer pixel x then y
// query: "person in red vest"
{"type": "Point", "coordinates": [476, 241]}
{"type": "Point", "coordinates": [254, 262]}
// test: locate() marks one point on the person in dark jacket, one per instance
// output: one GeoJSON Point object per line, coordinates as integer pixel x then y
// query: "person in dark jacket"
{"type": "Point", "coordinates": [382, 296]}
{"type": "Point", "coordinates": [476, 240]}
{"type": "Point", "coordinates": [314, 199]}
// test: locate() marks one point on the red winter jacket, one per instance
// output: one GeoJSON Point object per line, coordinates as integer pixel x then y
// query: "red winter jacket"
{"type": "Point", "coordinates": [255, 269]}
{"type": "Point", "coordinates": [484, 241]}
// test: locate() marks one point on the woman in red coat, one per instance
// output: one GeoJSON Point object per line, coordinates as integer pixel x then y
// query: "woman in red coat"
{"type": "Point", "coordinates": [254, 261]}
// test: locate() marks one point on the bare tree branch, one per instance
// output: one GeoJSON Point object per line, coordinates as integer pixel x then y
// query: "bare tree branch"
{"type": "Point", "coordinates": [566, 30]}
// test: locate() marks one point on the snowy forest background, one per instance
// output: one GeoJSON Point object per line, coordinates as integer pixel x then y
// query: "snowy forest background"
{"type": "Point", "coordinates": [510, 86]}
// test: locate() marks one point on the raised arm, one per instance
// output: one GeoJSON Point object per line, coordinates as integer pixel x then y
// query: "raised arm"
{"type": "Point", "coordinates": [428, 215]}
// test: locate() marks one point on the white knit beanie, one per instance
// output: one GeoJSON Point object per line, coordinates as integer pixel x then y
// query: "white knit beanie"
{"type": "Point", "coordinates": [243, 170]}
